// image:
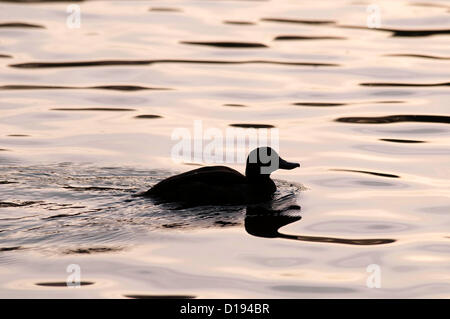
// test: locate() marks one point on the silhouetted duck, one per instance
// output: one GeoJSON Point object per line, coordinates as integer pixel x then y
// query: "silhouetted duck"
{"type": "Point", "coordinates": [221, 185]}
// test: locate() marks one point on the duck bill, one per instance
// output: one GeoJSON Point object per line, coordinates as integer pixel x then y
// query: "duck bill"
{"type": "Point", "coordinates": [287, 165]}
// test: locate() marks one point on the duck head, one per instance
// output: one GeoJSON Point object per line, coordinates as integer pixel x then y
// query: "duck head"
{"type": "Point", "coordinates": [262, 161]}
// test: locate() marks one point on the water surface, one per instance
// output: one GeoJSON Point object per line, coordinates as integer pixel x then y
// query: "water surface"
{"type": "Point", "coordinates": [86, 122]}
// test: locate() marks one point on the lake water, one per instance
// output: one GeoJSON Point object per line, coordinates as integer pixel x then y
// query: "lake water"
{"type": "Point", "coordinates": [86, 121]}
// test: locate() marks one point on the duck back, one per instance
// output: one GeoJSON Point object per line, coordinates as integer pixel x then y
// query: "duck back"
{"type": "Point", "coordinates": [209, 186]}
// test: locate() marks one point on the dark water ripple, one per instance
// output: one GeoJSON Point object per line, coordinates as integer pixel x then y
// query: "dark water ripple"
{"type": "Point", "coordinates": [402, 33]}
{"type": "Point", "coordinates": [17, 204]}
{"type": "Point", "coordinates": [60, 215]}
{"type": "Point", "coordinates": [234, 22]}
{"type": "Point", "coordinates": [393, 140]}
{"type": "Point", "coordinates": [62, 284]}
{"type": "Point", "coordinates": [334, 104]}
{"type": "Point", "coordinates": [21, 25]}
{"type": "Point", "coordinates": [39, 65]}
{"type": "Point", "coordinates": [381, 84]}
{"type": "Point", "coordinates": [365, 172]}
{"type": "Point", "coordinates": [421, 56]}
{"type": "Point", "coordinates": [299, 37]}
{"type": "Point", "coordinates": [10, 248]}
{"type": "Point", "coordinates": [396, 119]}
{"type": "Point", "coordinates": [95, 109]}
{"type": "Point", "coordinates": [415, 33]}
{"type": "Point", "coordinates": [125, 88]}
{"type": "Point", "coordinates": [91, 250]}
{"type": "Point", "coordinates": [299, 21]}
{"type": "Point", "coordinates": [248, 125]}
{"type": "Point", "coordinates": [94, 188]}
{"type": "Point", "coordinates": [320, 104]}
{"type": "Point", "coordinates": [148, 116]}
{"type": "Point", "coordinates": [226, 44]}
{"type": "Point", "coordinates": [97, 87]}
{"type": "Point", "coordinates": [235, 105]}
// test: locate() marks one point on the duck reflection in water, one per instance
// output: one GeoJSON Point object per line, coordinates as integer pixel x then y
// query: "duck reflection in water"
{"type": "Point", "coordinates": [260, 220]}
{"type": "Point", "coordinates": [265, 220]}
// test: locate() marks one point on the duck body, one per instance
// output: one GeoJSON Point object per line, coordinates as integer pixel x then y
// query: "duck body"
{"type": "Point", "coordinates": [213, 185]}
{"type": "Point", "coordinates": [221, 185]}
